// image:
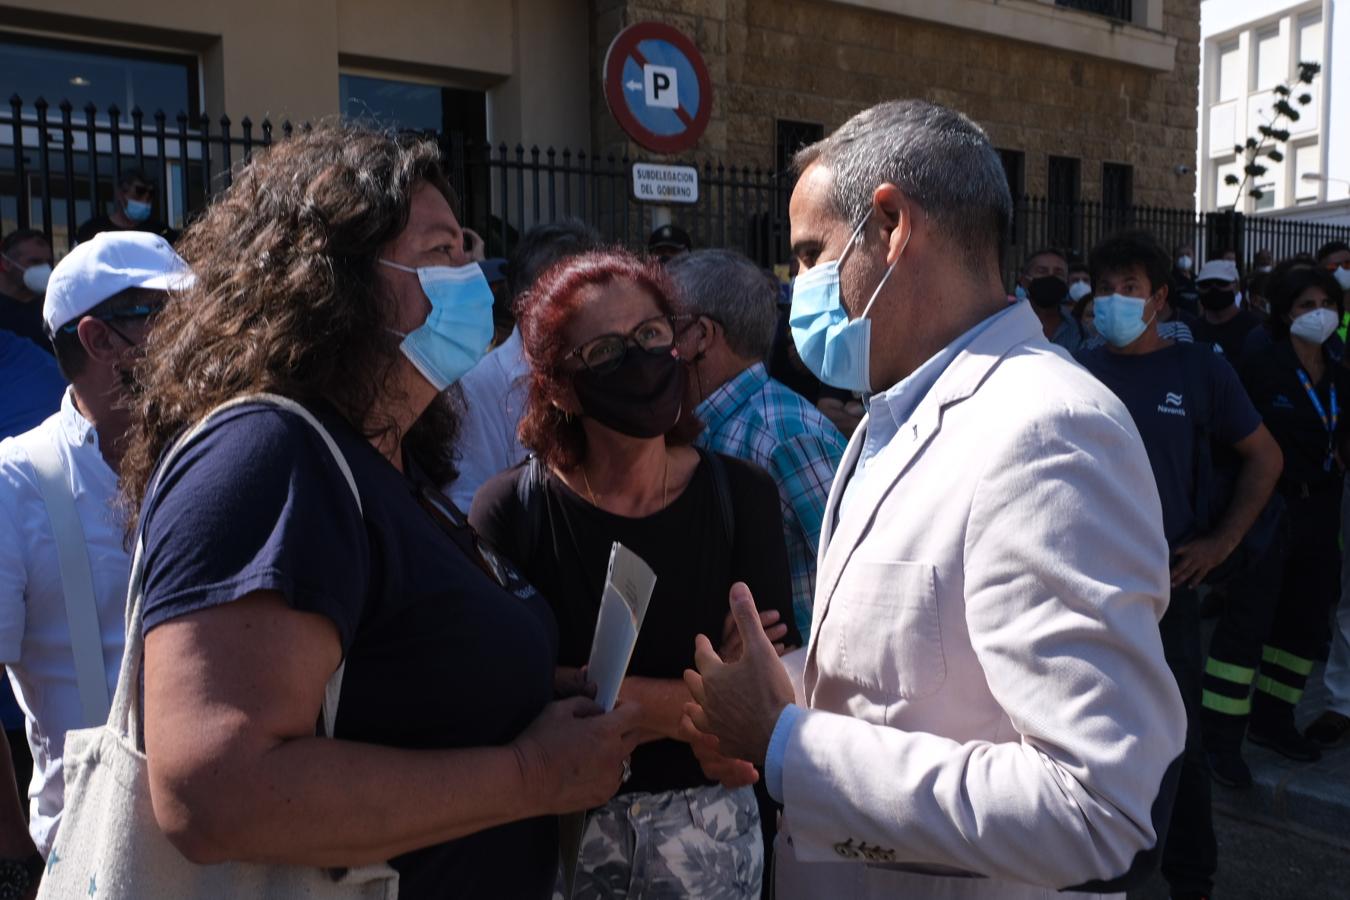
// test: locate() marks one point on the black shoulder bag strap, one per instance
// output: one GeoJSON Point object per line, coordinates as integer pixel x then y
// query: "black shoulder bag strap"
{"type": "Point", "coordinates": [722, 488]}
{"type": "Point", "coordinates": [530, 494]}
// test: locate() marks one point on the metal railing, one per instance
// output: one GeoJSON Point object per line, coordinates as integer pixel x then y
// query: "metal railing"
{"type": "Point", "coordinates": [57, 169]}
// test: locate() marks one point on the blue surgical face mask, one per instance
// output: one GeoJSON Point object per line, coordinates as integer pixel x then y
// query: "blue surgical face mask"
{"type": "Point", "coordinates": [137, 211]}
{"type": "Point", "coordinates": [459, 328]}
{"type": "Point", "coordinates": [836, 349]}
{"type": "Point", "coordinates": [1120, 319]}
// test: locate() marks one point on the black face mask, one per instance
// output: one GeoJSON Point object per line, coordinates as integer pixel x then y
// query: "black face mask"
{"type": "Point", "coordinates": [641, 398]}
{"type": "Point", "coordinates": [1216, 301]}
{"type": "Point", "coordinates": [1048, 291]}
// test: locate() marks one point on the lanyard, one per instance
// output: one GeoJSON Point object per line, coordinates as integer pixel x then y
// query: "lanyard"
{"type": "Point", "coordinates": [1328, 422]}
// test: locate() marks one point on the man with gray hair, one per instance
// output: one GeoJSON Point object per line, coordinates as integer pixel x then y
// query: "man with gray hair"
{"type": "Point", "coordinates": [983, 710]}
{"type": "Point", "coordinates": [734, 309]}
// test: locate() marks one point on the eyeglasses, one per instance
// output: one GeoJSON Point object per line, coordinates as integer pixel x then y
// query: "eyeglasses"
{"type": "Point", "coordinates": [143, 311]}
{"type": "Point", "coordinates": [607, 352]}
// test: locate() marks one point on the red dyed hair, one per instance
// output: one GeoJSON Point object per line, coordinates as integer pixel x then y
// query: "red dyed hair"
{"type": "Point", "coordinates": [546, 312]}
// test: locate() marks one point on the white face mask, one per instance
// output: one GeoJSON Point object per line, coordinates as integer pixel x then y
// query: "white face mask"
{"type": "Point", "coordinates": [35, 277]}
{"type": "Point", "coordinates": [1342, 276]}
{"type": "Point", "coordinates": [1078, 290]}
{"type": "Point", "coordinates": [1184, 263]}
{"type": "Point", "coordinates": [1315, 326]}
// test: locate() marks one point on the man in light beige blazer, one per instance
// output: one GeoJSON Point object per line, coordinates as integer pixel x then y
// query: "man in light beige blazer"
{"type": "Point", "coordinates": [984, 709]}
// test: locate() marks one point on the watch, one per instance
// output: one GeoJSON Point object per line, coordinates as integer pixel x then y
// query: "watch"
{"type": "Point", "coordinates": [17, 876]}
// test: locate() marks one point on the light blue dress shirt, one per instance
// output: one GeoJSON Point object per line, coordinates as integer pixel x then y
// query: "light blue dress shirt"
{"type": "Point", "coordinates": [887, 412]}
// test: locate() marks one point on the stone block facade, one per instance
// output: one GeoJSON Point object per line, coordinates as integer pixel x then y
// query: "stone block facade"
{"type": "Point", "coordinates": [818, 62]}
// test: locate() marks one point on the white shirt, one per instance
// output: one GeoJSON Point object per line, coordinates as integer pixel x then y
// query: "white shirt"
{"type": "Point", "coordinates": [494, 392]}
{"type": "Point", "coordinates": [34, 635]}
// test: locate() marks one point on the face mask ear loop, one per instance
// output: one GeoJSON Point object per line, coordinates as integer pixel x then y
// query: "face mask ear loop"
{"type": "Point", "coordinates": [887, 277]}
{"type": "Point", "coordinates": [853, 238]}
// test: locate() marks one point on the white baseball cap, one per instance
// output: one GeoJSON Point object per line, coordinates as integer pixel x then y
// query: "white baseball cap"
{"type": "Point", "coordinates": [1224, 270]}
{"type": "Point", "coordinates": [109, 263]}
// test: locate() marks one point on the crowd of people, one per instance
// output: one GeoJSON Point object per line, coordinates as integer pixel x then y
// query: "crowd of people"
{"type": "Point", "coordinates": [308, 515]}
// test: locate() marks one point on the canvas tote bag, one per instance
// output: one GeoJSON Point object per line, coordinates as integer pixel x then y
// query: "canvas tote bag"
{"type": "Point", "coordinates": [109, 846]}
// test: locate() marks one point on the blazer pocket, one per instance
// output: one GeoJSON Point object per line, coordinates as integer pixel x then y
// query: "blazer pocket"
{"type": "Point", "coordinates": [891, 634]}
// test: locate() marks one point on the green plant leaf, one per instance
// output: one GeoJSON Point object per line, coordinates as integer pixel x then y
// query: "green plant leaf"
{"type": "Point", "coordinates": [1304, 99]}
{"type": "Point", "coordinates": [1281, 134]}
{"type": "Point", "coordinates": [1256, 170]}
{"type": "Point", "coordinates": [1257, 194]}
{"type": "Point", "coordinates": [1276, 156]}
{"type": "Point", "coordinates": [1282, 90]}
{"type": "Point", "coordinates": [1230, 179]}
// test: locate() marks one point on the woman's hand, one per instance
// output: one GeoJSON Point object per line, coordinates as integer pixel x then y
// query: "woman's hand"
{"type": "Point", "coordinates": [570, 682]}
{"type": "Point", "coordinates": [731, 647]}
{"type": "Point", "coordinates": [572, 756]}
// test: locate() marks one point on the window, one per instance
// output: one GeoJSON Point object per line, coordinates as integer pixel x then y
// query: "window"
{"type": "Point", "coordinates": [1117, 186]}
{"type": "Point", "coordinates": [414, 105]}
{"type": "Point", "coordinates": [1272, 60]}
{"type": "Point", "coordinates": [1014, 168]}
{"type": "Point", "coordinates": [1231, 78]}
{"type": "Point", "coordinates": [1307, 161]}
{"type": "Point", "coordinates": [1062, 213]}
{"type": "Point", "coordinates": [1310, 38]}
{"type": "Point", "coordinates": [98, 74]}
{"type": "Point", "coordinates": [1225, 195]}
{"type": "Point", "coordinates": [1113, 9]}
{"type": "Point", "coordinates": [789, 137]}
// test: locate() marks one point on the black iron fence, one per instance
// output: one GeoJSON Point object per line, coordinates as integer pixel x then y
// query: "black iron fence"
{"type": "Point", "coordinates": [58, 168]}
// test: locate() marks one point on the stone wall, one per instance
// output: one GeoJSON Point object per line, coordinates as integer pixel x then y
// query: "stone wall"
{"type": "Point", "coordinates": [813, 61]}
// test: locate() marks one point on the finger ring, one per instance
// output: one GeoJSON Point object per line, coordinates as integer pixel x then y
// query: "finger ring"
{"type": "Point", "coordinates": [627, 772]}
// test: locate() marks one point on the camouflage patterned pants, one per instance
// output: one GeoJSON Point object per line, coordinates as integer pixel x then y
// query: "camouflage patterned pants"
{"type": "Point", "coordinates": [699, 843]}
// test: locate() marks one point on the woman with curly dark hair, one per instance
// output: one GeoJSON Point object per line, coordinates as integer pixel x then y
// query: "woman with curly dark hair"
{"type": "Point", "coordinates": [332, 273]}
{"type": "Point", "coordinates": [605, 417]}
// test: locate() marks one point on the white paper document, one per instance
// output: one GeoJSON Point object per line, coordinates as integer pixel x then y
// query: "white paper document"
{"type": "Point", "coordinates": [623, 605]}
{"type": "Point", "coordinates": [628, 589]}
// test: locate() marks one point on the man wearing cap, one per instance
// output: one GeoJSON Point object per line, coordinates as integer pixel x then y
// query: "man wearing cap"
{"type": "Point", "coordinates": [133, 209]}
{"type": "Point", "coordinates": [63, 566]}
{"type": "Point", "coordinates": [669, 241]}
{"type": "Point", "coordinates": [25, 266]}
{"type": "Point", "coordinates": [1222, 321]}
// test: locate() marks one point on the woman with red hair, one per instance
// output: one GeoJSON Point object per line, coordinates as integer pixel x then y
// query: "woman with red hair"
{"type": "Point", "coordinates": [613, 462]}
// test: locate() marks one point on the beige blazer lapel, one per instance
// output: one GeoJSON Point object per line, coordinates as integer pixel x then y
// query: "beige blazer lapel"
{"type": "Point", "coordinates": [961, 379]}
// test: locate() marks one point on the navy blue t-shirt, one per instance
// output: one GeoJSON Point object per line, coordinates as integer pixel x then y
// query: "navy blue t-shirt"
{"type": "Point", "coordinates": [439, 654]}
{"type": "Point", "coordinates": [1154, 389]}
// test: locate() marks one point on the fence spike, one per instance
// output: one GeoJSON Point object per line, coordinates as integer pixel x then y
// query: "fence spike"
{"type": "Point", "coordinates": [246, 123]}
{"type": "Point", "coordinates": [40, 104]}
{"type": "Point", "coordinates": [15, 100]}
{"type": "Point", "coordinates": [65, 107]}
{"type": "Point", "coordinates": [91, 111]}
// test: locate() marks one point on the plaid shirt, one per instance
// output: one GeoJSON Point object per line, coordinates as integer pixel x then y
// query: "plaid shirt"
{"type": "Point", "coordinates": [755, 418]}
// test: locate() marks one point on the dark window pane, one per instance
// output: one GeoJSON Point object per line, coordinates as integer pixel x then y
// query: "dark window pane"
{"type": "Point", "coordinates": [1114, 9]}
{"type": "Point", "coordinates": [396, 104]}
{"type": "Point", "coordinates": [789, 137]}
{"type": "Point", "coordinates": [84, 73]}
{"type": "Point", "coordinates": [1014, 167]}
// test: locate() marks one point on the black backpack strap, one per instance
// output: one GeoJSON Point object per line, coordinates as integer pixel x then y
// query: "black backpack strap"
{"type": "Point", "coordinates": [530, 495]}
{"type": "Point", "coordinates": [722, 488]}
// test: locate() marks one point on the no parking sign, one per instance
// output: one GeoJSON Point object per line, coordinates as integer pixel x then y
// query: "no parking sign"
{"type": "Point", "coordinates": [657, 87]}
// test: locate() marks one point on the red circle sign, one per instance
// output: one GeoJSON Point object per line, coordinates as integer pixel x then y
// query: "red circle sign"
{"type": "Point", "coordinates": [659, 93]}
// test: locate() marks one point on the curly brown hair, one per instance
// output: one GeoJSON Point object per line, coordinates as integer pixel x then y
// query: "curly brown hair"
{"type": "Point", "coordinates": [287, 299]}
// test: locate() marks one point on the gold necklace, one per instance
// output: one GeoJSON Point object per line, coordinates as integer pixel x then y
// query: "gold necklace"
{"type": "Point", "coordinates": [665, 484]}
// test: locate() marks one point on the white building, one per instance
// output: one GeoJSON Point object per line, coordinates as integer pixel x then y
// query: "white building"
{"type": "Point", "coordinates": [1248, 47]}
